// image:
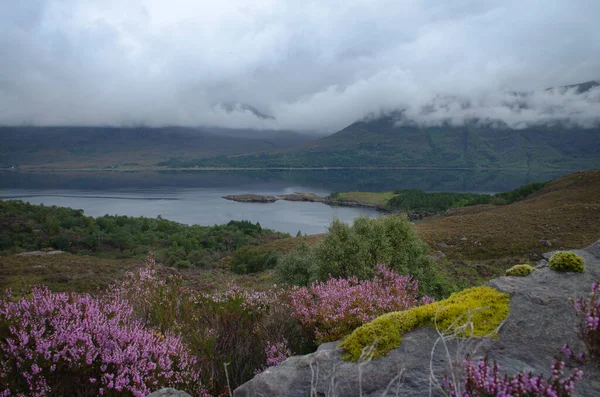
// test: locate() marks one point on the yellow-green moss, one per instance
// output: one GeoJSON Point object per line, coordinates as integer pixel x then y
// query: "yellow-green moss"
{"type": "Point", "coordinates": [566, 262]}
{"type": "Point", "coordinates": [520, 270]}
{"type": "Point", "coordinates": [386, 331]}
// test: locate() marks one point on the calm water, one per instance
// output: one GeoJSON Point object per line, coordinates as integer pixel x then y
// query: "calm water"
{"type": "Point", "coordinates": [195, 197]}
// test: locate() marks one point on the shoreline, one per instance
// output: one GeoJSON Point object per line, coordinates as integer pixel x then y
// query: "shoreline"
{"type": "Point", "coordinates": [313, 198]}
{"type": "Point", "coordinates": [27, 169]}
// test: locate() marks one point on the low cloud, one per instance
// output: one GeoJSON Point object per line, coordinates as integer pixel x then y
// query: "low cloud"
{"type": "Point", "coordinates": [315, 65]}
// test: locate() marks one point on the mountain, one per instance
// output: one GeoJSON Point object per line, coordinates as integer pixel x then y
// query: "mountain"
{"type": "Point", "coordinates": [393, 140]}
{"type": "Point", "coordinates": [144, 146]}
{"type": "Point", "coordinates": [381, 143]}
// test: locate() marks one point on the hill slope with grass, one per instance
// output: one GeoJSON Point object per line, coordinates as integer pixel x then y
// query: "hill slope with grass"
{"type": "Point", "coordinates": [382, 143]}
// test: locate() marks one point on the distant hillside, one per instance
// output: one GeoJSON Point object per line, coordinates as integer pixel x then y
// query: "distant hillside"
{"type": "Point", "coordinates": [108, 146]}
{"type": "Point", "coordinates": [381, 142]}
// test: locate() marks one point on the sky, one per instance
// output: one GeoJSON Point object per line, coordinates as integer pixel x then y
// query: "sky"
{"type": "Point", "coordinates": [313, 65]}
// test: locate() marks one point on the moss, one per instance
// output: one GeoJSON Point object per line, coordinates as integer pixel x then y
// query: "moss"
{"type": "Point", "coordinates": [386, 331]}
{"type": "Point", "coordinates": [520, 270]}
{"type": "Point", "coordinates": [566, 262]}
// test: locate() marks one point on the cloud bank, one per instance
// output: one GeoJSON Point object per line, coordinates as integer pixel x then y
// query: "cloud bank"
{"type": "Point", "coordinates": [315, 65]}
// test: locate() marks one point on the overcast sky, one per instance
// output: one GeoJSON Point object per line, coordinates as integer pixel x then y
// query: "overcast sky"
{"type": "Point", "coordinates": [311, 64]}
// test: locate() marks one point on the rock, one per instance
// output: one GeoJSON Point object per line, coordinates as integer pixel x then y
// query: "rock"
{"type": "Point", "coordinates": [545, 243]}
{"type": "Point", "coordinates": [40, 253]}
{"type": "Point", "coordinates": [540, 322]}
{"type": "Point", "coordinates": [251, 198]}
{"type": "Point", "coordinates": [168, 392]}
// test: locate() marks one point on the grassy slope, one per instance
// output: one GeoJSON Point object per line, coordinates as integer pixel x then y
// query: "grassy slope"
{"type": "Point", "coordinates": [379, 199]}
{"type": "Point", "coordinates": [62, 272]}
{"type": "Point", "coordinates": [83, 273]}
{"type": "Point", "coordinates": [566, 212]}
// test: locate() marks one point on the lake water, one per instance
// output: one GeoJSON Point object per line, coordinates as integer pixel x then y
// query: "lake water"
{"type": "Point", "coordinates": [196, 197]}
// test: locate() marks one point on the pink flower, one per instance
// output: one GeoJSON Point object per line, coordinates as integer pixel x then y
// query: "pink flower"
{"type": "Point", "coordinates": [336, 307]}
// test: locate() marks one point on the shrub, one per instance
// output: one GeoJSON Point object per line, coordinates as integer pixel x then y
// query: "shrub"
{"type": "Point", "coordinates": [484, 380]}
{"type": "Point", "coordinates": [249, 259]}
{"type": "Point", "coordinates": [332, 309]}
{"type": "Point", "coordinates": [588, 311]}
{"type": "Point", "coordinates": [520, 270]}
{"type": "Point", "coordinates": [183, 264]}
{"type": "Point", "coordinates": [69, 344]}
{"type": "Point", "coordinates": [296, 268]}
{"type": "Point", "coordinates": [485, 307]}
{"type": "Point", "coordinates": [566, 262]}
{"type": "Point", "coordinates": [355, 250]}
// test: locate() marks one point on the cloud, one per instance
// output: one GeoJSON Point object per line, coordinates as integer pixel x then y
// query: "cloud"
{"type": "Point", "coordinates": [312, 65]}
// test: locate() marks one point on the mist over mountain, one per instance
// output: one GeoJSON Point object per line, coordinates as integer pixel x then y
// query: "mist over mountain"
{"type": "Point", "coordinates": [288, 65]}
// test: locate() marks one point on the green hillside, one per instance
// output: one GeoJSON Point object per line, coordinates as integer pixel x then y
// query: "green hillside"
{"type": "Point", "coordinates": [382, 143]}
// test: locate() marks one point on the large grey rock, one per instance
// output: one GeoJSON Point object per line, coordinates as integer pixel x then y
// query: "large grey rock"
{"type": "Point", "coordinates": [168, 392]}
{"type": "Point", "coordinates": [540, 322]}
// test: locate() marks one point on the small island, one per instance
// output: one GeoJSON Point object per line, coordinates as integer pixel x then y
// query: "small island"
{"type": "Point", "coordinates": [251, 198]}
{"type": "Point", "coordinates": [416, 204]}
{"type": "Point", "coordinates": [305, 197]}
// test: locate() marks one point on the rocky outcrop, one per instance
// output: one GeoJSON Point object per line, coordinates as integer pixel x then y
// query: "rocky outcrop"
{"type": "Point", "coordinates": [251, 198]}
{"type": "Point", "coordinates": [168, 392]}
{"type": "Point", "coordinates": [540, 322]}
{"type": "Point", "coordinates": [40, 253]}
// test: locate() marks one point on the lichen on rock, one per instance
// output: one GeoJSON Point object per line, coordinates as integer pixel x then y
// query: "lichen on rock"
{"type": "Point", "coordinates": [566, 262]}
{"type": "Point", "coordinates": [520, 270]}
{"type": "Point", "coordinates": [484, 307]}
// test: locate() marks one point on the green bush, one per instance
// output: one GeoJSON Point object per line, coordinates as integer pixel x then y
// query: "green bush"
{"type": "Point", "coordinates": [520, 270]}
{"type": "Point", "coordinates": [296, 268]}
{"type": "Point", "coordinates": [566, 262]}
{"type": "Point", "coordinates": [355, 250]}
{"type": "Point", "coordinates": [249, 259]}
{"type": "Point", "coordinates": [183, 264]}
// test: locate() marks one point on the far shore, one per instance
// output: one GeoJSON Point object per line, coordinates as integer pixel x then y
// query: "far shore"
{"type": "Point", "coordinates": [156, 168]}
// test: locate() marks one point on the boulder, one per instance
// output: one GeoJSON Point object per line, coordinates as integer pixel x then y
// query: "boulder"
{"type": "Point", "coordinates": [168, 392]}
{"type": "Point", "coordinates": [540, 322]}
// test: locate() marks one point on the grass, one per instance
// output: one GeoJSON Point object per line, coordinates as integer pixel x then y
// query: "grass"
{"type": "Point", "coordinates": [61, 273]}
{"type": "Point", "coordinates": [379, 199]}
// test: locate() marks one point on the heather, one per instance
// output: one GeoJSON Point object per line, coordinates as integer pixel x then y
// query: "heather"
{"type": "Point", "coordinates": [235, 327]}
{"type": "Point", "coordinates": [332, 309]}
{"type": "Point", "coordinates": [252, 330]}
{"type": "Point", "coordinates": [588, 330]}
{"type": "Point", "coordinates": [60, 344]}
{"type": "Point", "coordinates": [482, 379]}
